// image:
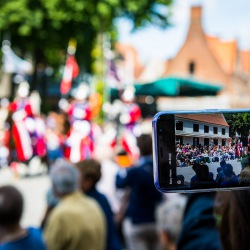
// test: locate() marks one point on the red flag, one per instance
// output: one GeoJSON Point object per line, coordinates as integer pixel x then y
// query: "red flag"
{"type": "Point", "coordinates": [71, 70]}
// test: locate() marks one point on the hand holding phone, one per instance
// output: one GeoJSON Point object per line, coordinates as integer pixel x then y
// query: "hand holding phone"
{"type": "Point", "coordinates": [201, 150]}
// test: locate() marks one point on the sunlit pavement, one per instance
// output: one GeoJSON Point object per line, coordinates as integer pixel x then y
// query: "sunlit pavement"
{"type": "Point", "coordinates": [34, 187]}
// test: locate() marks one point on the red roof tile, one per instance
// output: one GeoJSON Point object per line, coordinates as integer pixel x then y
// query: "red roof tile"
{"type": "Point", "coordinates": [217, 119]}
{"type": "Point", "coordinates": [123, 49]}
{"type": "Point", "coordinates": [245, 60]}
{"type": "Point", "coordinates": [224, 51]}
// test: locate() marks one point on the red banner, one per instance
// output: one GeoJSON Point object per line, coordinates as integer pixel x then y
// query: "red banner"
{"type": "Point", "coordinates": [71, 70]}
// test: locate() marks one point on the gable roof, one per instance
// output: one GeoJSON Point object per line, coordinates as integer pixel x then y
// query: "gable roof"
{"type": "Point", "coordinates": [224, 51]}
{"type": "Point", "coordinates": [217, 119]}
{"type": "Point", "coordinates": [128, 52]}
{"type": "Point", "coordinates": [245, 60]}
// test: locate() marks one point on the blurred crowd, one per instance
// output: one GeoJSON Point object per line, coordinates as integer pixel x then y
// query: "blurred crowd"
{"type": "Point", "coordinates": [80, 216]}
{"type": "Point", "coordinates": [70, 131]}
{"type": "Point", "coordinates": [81, 213]}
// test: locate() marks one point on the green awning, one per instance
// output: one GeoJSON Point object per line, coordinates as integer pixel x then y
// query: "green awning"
{"type": "Point", "coordinates": [173, 86]}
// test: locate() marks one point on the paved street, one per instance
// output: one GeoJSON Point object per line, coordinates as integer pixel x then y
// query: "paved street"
{"type": "Point", "coordinates": [188, 172]}
{"type": "Point", "coordinates": [33, 190]}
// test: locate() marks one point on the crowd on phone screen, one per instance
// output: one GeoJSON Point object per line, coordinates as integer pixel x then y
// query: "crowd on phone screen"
{"type": "Point", "coordinates": [187, 155]}
{"type": "Point", "coordinates": [199, 156]}
{"type": "Point", "coordinates": [80, 216]}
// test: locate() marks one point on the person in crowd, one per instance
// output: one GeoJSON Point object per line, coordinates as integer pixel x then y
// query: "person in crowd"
{"type": "Point", "coordinates": [28, 128]}
{"type": "Point", "coordinates": [216, 221]}
{"type": "Point", "coordinates": [79, 143]}
{"type": "Point", "coordinates": [130, 116]}
{"type": "Point", "coordinates": [5, 133]}
{"type": "Point", "coordinates": [51, 201]}
{"type": "Point", "coordinates": [54, 137]}
{"type": "Point", "coordinates": [244, 176]}
{"type": "Point", "coordinates": [139, 225]}
{"type": "Point", "coordinates": [90, 170]}
{"type": "Point", "coordinates": [12, 235]}
{"type": "Point", "coordinates": [77, 222]}
{"type": "Point", "coordinates": [169, 216]}
{"type": "Point", "coordinates": [220, 176]}
{"type": "Point", "coordinates": [231, 179]}
{"type": "Point", "coordinates": [244, 163]}
{"type": "Point", "coordinates": [235, 218]}
{"type": "Point", "coordinates": [199, 227]}
{"type": "Point", "coordinates": [202, 178]}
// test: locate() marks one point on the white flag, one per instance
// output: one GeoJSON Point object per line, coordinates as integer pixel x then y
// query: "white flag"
{"type": "Point", "coordinates": [14, 64]}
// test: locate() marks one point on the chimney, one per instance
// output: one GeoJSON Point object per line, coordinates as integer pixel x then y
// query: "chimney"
{"type": "Point", "coordinates": [196, 14]}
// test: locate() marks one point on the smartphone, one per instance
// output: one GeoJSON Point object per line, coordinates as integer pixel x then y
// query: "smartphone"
{"type": "Point", "coordinates": [201, 150]}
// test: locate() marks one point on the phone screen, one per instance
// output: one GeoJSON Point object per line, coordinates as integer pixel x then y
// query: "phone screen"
{"type": "Point", "coordinates": [202, 150]}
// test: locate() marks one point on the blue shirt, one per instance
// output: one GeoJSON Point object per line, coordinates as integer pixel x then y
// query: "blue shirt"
{"type": "Point", "coordinates": [113, 241]}
{"type": "Point", "coordinates": [144, 197]}
{"type": "Point", "coordinates": [32, 241]}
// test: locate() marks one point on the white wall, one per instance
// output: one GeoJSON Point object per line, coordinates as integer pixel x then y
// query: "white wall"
{"type": "Point", "coordinates": [188, 129]}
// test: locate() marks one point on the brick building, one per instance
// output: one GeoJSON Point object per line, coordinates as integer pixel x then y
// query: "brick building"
{"type": "Point", "coordinates": [209, 60]}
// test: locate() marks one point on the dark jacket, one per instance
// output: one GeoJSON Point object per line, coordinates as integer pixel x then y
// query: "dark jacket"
{"type": "Point", "coordinates": [143, 197]}
{"type": "Point", "coordinates": [199, 225]}
{"type": "Point", "coordinates": [113, 241]}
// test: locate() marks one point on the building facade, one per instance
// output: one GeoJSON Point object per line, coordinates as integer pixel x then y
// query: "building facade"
{"type": "Point", "coordinates": [198, 129]}
{"type": "Point", "coordinates": [210, 60]}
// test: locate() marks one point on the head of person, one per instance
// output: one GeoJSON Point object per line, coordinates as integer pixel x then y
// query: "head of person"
{"type": "Point", "coordinates": [219, 169]}
{"type": "Point", "coordinates": [202, 172]}
{"type": "Point", "coordinates": [128, 95]}
{"type": "Point", "coordinates": [90, 171]}
{"type": "Point", "coordinates": [65, 178]}
{"type": "Point", "coordinates": [82, 92]}
{"type": "Point", "coordinates": [11, 206]}
{"type": "Point", "coordinates": [196, 167]}
{"type": "Point", "coordinates": [235, 219]}
{"type": "Point", "coordinates": [169, 216]}
{"type": "Point", "coordinates": [244, 163]}
{"type": "Point", "coordinates": [223, 163]}
{"type": "Point", "coordinates": [144, 143]}
{"type": "Point", "coordinates": [244, 177]}
{"type": "Point", "coordinates": [23, 89]}
{"type": "Point", "coordinates": [228, 170]}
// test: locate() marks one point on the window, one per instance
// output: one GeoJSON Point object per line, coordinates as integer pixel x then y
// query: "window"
{"type": "Point", "coordinates": [216, 141]}
{"type": "Point", "coordinates": [179, 125]}
{"type": "Point", "coordinates": [179, 140]}
{"type": "Point", "coordinates": [215, 130]}
{"type": "Point", "coordinates": [206, 129]}
{"type": "Point", "coordinates": [206, 141]}
{"type": "Point", "coordinates": [196, 127]}
{"type": "Point", "coordinates": [191, 68]}
{"type": "Point", "coordinates": [196, 141]}
{"type": "Point", "coordinates": [223, 131]}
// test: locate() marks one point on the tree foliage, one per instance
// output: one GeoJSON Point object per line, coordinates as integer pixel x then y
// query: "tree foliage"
{"type": "Point", "coordinates": [44, 27]}
{"type": "Point", "coordinates": [238, 122]}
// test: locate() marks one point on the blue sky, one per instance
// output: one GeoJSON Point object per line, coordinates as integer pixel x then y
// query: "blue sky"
{"type": "Point", "coordinates": [227, 19]}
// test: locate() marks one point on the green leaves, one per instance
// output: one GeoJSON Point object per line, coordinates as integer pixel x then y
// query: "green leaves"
{"type": "Point", "coordinates": [238, 122]}
{"type": "Point", "coordinates": [44, 27]}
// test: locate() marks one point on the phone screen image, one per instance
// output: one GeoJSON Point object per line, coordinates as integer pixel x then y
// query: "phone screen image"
{"type": "Point", "coordinates": [202, 150]}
